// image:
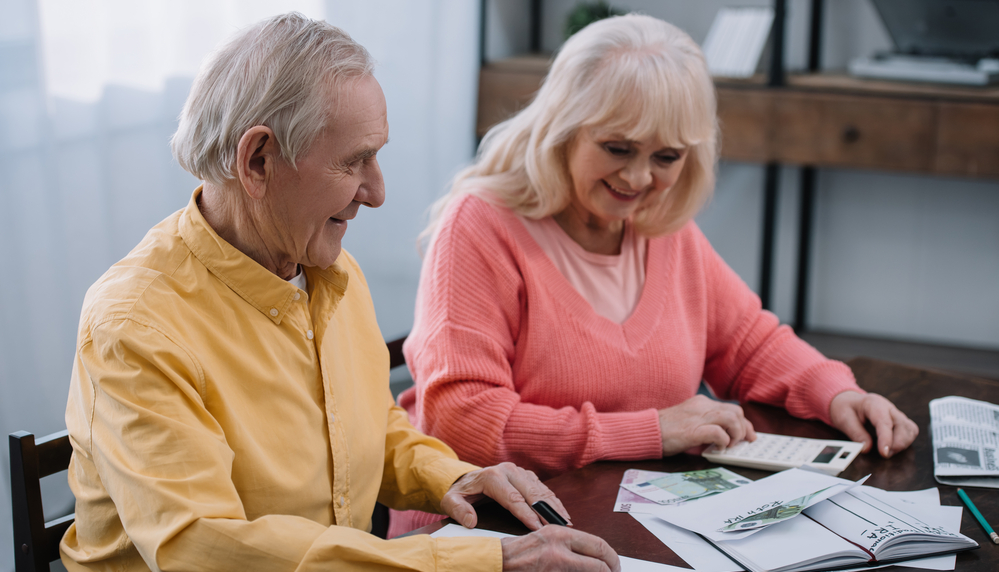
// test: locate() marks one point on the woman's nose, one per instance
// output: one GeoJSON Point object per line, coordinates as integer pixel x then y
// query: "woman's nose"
{"type": "Point", "coordinates": [638, 174]}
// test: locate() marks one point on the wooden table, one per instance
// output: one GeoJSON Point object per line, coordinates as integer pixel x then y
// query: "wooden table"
{"type": "Point", "coordinates": [589, 493]}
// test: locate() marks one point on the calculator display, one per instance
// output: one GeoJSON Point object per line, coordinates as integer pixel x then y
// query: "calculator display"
{"type": "Point", "coordinates": [828, 454]}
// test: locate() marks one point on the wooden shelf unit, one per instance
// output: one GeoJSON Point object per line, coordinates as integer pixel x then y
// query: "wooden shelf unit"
{"type": "Point", "coordinates": [827, 120]}
{"type": "Point", "coordinates": [813, 121]}
{"type": "Point", "coordinates": [822, 120]}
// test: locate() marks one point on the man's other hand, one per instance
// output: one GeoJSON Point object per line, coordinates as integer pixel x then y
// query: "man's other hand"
{"type": "Point", "coordinates": [514, 488]}
{"type": "Point", "coordinates": [559, 548]}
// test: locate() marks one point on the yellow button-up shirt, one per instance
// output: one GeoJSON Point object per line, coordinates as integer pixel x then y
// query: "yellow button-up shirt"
{"type": "Point", "coordinates": [221, 418]}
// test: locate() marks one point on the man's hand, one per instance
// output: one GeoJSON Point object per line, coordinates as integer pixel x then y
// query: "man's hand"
{"type": "Point", "coordinates": [514, 488]}
{"type": "Point", "coordinates": [849, 410]}
{"type": "Point", "coordinates": [703, 421]}
{"type": "Point", "coordinates": [559, 548]}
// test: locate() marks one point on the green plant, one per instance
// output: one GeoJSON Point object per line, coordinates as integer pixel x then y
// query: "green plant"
{"type": "Point", "coordinates": [585, 13]}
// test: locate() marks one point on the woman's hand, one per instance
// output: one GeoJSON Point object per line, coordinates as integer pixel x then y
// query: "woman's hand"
{"type": "Point", "coordinates": [703, 421]}
{"type": "Point", "coordinates": [849, 410]}
{"type": "Point", "coordinates": [515, 489]}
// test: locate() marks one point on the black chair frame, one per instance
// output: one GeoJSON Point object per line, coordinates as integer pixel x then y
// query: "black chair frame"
{"type": "Point", "coordinates": [36, 542]}
{"type": "Point", "coordinates": [380, 518]}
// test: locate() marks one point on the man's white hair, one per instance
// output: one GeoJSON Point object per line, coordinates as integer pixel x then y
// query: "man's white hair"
{"type": "Point", "coordinates": [282, 73]}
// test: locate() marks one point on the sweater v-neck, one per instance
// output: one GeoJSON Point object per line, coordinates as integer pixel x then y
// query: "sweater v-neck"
{"type": "Point", "coordinates": [635, 331]}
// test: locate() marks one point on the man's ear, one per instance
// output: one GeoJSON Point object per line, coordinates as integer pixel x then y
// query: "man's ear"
{"type": "Point", "coordinates": [256, 157]}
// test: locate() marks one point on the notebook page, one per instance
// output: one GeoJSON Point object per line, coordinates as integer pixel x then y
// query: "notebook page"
{"type": "Point", "coordinates": [873, 524]}
{"type": "Point", "coordinates": [796, 543]}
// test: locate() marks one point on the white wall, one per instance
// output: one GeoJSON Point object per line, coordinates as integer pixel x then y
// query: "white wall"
{"type": "Point", "coordinates": [428, 65]}
{"type": "Point", "coordinates": [894, 255]}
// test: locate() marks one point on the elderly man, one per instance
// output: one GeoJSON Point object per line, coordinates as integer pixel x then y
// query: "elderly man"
{"type": "Point", "coordinates": [229, 406]}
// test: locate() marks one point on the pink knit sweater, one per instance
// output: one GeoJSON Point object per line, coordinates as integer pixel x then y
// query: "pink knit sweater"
{"type": "Point", "coordinates": [512, 364]}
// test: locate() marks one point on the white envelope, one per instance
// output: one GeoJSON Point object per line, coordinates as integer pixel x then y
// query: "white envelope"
{"type": "Point", "coordinates": [708, 515]}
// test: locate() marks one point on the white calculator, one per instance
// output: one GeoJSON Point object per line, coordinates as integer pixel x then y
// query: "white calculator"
{"type": "Point", "coordinates": [778, 452]}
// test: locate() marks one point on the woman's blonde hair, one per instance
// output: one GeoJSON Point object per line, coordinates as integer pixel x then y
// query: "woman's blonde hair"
{"type": "Point", "coordinates": [634, 75]}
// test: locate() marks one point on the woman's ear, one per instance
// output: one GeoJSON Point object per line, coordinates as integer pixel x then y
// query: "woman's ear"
{"type": "Point", "coordinates": [256, 157]}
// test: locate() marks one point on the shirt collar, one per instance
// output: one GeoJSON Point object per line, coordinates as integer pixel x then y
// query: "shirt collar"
{"type": "Point", "coordinates": [259, 287]}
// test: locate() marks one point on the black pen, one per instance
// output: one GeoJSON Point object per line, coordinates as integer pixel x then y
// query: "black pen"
{"type": "Point", "coordinates": [549, 514]}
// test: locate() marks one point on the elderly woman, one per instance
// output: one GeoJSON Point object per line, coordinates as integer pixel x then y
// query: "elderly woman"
{"type": "Point", "coordinates": [569, 307]}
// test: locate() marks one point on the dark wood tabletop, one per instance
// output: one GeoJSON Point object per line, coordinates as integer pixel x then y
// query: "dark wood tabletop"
{"type": "Point", "coordinates": [589, 493]}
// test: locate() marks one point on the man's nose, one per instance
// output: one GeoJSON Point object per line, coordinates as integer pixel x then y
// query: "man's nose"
{"type": "Point", "coordinates": [372, 189]}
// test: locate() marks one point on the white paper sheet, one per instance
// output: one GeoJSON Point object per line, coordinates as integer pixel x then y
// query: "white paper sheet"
{"type": "Point", "coordinates": [627, 564]}
{"type": "Point", "coordinates": [693, 549]}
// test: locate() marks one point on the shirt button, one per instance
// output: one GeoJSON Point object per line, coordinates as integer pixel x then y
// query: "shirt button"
{"type": "Point", "coordinates": [341, 501]}
{"type": "Point", "coordinates": [274, 312]}
{"type": "Point", "coordinates": [309, 334]}
{"type": "Point", "coordinates": [298, 295]}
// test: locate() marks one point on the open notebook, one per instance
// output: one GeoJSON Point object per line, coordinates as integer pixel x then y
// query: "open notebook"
{"type": "Point", "coordinates": [850, 529]}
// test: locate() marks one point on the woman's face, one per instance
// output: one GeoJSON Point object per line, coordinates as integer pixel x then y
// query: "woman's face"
{"type": "Point", "coordinates": [612, 176]}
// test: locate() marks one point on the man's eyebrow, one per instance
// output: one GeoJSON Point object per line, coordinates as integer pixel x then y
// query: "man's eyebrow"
{"type": "Point", "coordinates": [363, 154]}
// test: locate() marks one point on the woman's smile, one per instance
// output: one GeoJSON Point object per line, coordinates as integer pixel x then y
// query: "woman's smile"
{"type": "Point", "coordinates": [621, 194]}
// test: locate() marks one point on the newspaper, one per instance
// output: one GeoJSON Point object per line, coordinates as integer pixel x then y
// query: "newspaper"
{"type": "Point", "coordinates": [965, 442]}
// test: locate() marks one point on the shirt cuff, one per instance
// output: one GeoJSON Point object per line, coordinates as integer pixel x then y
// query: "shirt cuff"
{"type": "Point", "coordinates": [440, 475]}
{"type": "Point", "coordinates": [469, 553]}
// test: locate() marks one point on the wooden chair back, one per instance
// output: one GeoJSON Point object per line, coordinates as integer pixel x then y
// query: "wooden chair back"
{"type": "Point", "coordinates": [36, 542]}
{"type": "Point", "coordinates": [380, 518]}
{"type": "Point", "coordinates": [396, 358]}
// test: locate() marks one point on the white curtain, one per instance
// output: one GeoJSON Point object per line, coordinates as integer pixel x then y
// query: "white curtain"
{"type": "Point", "coordinates": [89, 95]}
